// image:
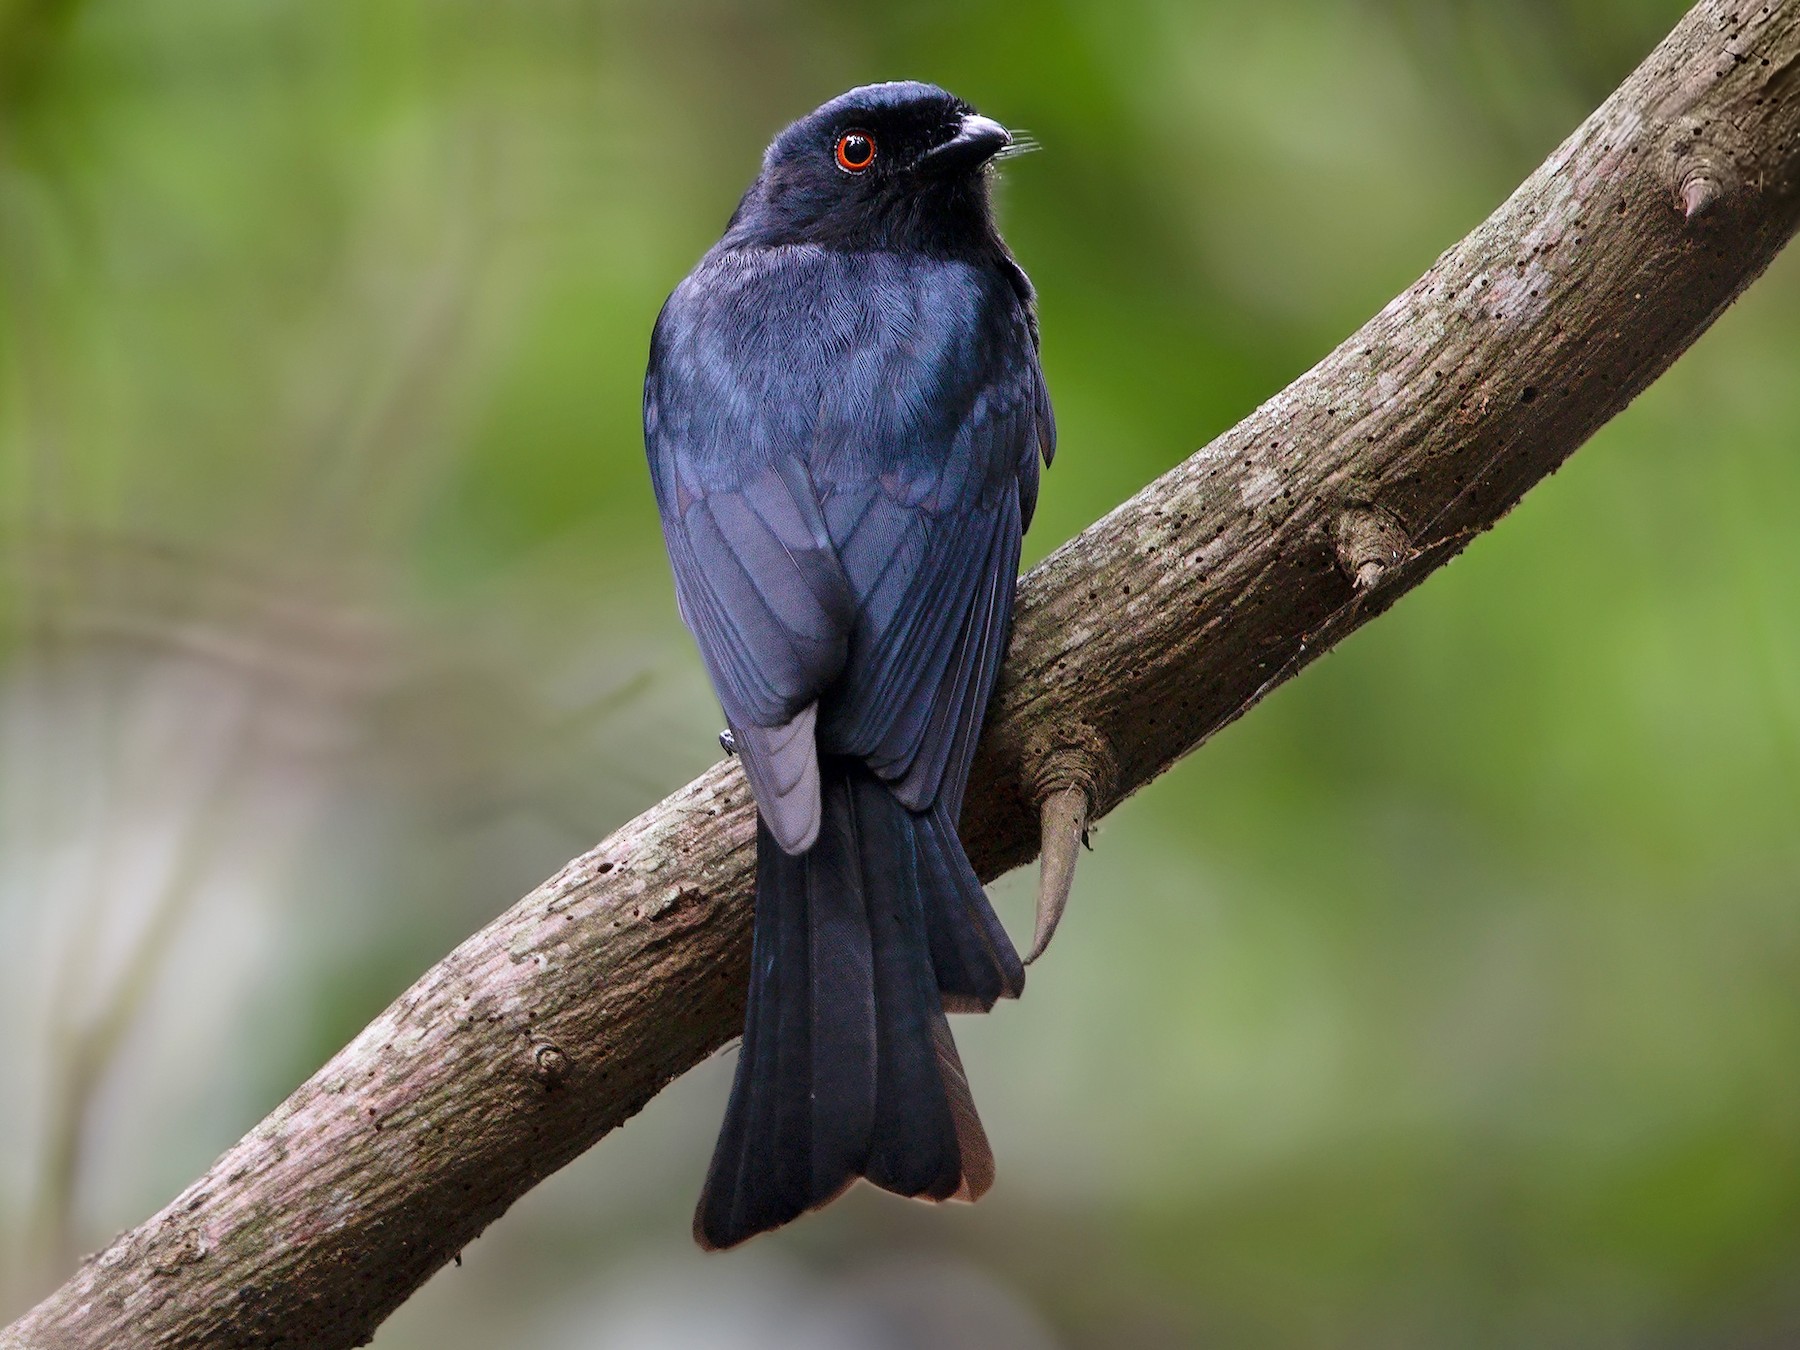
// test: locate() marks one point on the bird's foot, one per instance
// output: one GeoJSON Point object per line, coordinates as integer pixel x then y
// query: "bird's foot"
{"type": "Point", "coordinates": [728, 742]}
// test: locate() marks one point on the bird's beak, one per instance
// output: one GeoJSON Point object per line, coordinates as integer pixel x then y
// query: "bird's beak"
{"type": "Point", "coordinates": [977, 141]}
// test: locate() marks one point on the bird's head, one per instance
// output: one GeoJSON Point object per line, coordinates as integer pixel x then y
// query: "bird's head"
{"type": "Point", "coordinates": [887, 166]}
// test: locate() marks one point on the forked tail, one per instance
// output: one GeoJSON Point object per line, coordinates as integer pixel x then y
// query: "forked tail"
{"type": "Point", "coordinates": [848, 1068]}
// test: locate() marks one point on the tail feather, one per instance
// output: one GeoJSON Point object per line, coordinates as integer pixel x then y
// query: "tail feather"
{"type": "Point", "coordinates": [913, 1150]}
{"type": "Point", "coordinates": [975, 960]}
{"type": "Point", "coordinates": [753, 1136]}
{"type": "Point", "coordinates": [848, 1068]}
{"type": "Point", "coordinates": [844, 1013]}
{"type": "Point", "coordinates": [971, 1140]}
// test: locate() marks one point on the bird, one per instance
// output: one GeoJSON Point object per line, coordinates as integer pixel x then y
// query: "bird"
{"type": "Point", "coordinates": [844, 417]}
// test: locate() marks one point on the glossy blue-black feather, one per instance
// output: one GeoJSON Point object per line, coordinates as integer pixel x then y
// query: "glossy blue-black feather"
{"type": "Point", "coordinates": [845, 451]}
{"type": "Point", "coordinates": [845, 420]}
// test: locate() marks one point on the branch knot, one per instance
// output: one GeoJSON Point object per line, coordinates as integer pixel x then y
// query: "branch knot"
{"type": "Point", "coordinates": [1703, 168]}
{"type": "Point", "coordinates": [1369, 541]}
{"type": "Point", "coordinates": [550, 1065]}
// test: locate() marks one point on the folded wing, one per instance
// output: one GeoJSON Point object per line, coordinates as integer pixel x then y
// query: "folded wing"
{"type": "Point", "coordinates": [844, 527]}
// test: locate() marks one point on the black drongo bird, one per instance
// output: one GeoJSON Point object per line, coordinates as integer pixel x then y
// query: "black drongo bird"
{"type": "Point", "coordinates": [844, 414]}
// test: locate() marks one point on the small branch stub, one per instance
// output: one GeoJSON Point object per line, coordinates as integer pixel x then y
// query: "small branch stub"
{"type": "Point", "coordinates": [550, 1066]}
{"type": "Point", "coordinates": [1369, 542]}
{"type": "Point", "coordinates": [1700, 192]}
{"type": "Point", "coordinates": [173, 1248]}
{"type": "Point", "coordinates": [1075, 777]}
{"type": "Point", "coordinates": [1063, 819]}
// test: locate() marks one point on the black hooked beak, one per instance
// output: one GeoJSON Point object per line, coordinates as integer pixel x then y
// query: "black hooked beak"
{"type": "Point", "coordinates": [977, 141]}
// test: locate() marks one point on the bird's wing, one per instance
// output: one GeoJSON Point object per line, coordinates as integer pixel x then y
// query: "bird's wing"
{"type": "Point", "coordinates": [760, 587]}
{"type": "Point", "coordinates": [931, 551]}
{"type": "Point", "coordinates": [843, 478]}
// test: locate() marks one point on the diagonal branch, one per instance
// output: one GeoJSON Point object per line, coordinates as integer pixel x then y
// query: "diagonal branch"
{"type": "Point", "coordinates": [1157, 626]}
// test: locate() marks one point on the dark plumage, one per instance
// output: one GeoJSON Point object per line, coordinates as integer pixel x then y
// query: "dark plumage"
{"type": "Point", "coordinates": [844, 415]}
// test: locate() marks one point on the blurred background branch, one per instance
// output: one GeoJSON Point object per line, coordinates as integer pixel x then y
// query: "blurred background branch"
{"type": "Point", "coordinates": [30, 34]}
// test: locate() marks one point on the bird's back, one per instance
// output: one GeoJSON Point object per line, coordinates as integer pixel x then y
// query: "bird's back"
{"type": "Point", "coordinates": [900, 396]}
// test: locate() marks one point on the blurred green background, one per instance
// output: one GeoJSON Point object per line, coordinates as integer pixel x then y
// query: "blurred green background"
{"type": "Point", "coordinates": [1449, 999]}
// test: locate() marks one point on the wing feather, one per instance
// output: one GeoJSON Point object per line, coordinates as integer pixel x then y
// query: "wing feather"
{"type": "Point", "coordinates": [842, 498]}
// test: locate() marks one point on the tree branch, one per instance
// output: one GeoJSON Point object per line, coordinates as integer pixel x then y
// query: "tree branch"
{"type": "Point", "coordinates": [1157, 626]}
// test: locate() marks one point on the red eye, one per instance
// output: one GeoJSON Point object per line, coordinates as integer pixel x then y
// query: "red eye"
{"type": "Point", "coordinates": [855, 151]}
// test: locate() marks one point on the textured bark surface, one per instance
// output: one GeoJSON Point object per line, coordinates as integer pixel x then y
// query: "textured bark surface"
{"type": "Point", "coordinates": [1158, 625]}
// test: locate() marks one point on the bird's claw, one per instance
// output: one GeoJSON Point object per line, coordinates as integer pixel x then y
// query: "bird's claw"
{"type": "Point", "coordinates": [728, 742]}
{"type": "Point", "coordinates": [1063, 821]}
